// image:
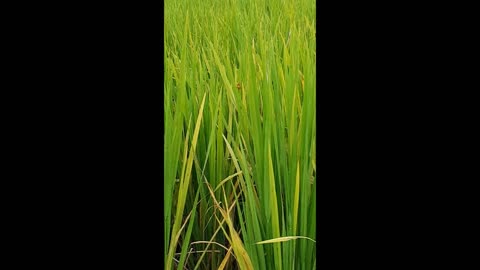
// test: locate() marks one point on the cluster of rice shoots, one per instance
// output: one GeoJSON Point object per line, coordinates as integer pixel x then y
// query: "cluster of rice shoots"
{"type": "Point", "coordinates": [239, 153]}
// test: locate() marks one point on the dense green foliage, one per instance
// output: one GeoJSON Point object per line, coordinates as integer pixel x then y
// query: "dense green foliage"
{"type": "Point", "coordinates": [240, 134]}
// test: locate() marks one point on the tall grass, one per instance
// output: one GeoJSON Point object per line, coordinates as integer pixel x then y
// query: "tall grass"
{"type": "Point", "coordinates": [240, 170]}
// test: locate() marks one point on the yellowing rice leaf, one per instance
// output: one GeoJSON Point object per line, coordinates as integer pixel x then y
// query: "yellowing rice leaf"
{"type": "Point", "coordinates": [283, 239]}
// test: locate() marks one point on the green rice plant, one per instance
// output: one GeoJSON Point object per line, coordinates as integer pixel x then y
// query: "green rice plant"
{"type": "Point", "coordinates": [239, 155]}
